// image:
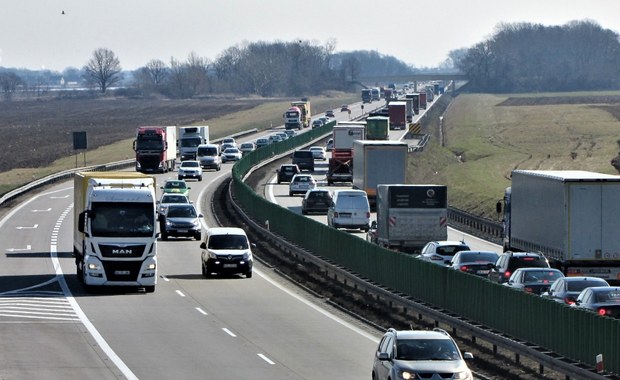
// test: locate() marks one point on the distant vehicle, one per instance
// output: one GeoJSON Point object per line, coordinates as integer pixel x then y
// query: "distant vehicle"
{"type": "Point", "coordinates": [290, 132]}
{"type": "Point", "coordinates": [345, 108]}
{"type": "Point", "coordinates": [231, 154]}
{"type": "Point", "coordinates": [317, 123]}
{"type": "Point", "coordinates": [226, 250]}
{"type": "Point", "coordinates": [329, 146]}
{"type": "Point", "coordinates": [190, 169]}
{"type": "Point", "coordinates": [209, 156]}
{"type": "Point", "coordinates": [304, 159]}
{"type": "Point", "coordinates": [155, 149]}
{"type": "Point", "coordinates": [287, 172]}
{"type": "Point", "coordinates": [174, 186]}
{"type": "Point", "coordinates": [261, 142]}
{"type": "Point", "coordinates": [478, 263]}
{"type": "Point", "coordinates": [324, 119]}
{"type": "Point", "coordinates": [567, 289]}
{"type": "Point", "coordinates": [168, 199]}
{"type": "Point", "coordinates": [180, 220]}
{"type": "Point", "coordinates": [533, 280]}
{"type": "Point", "coordinates": [421, 354]}
{"type": "Point", "coordinates": [508, 262]}
{"type": "Point", "coordinates": [275, 138]}
{"type": "Point", "coordinates": [441, 252]}
{"type": "Point", "coordinates": [247, 147]}
{"type": "Point", "coordinates": [330, 113]}
{"type": "Point", "coordinates": [316, 201]}
{"type": "Point", "coordinates": [318, 152]}
{"type": "Point", "coordinates": [283, 135]}
{"type": "Point", "coordinates": [227, 145]}
{"type": "Point", "coordinates": [189, 138]}
{"type": "Point", "coordinates": [229, 140]}
{"type": "Point", "coordinates": [604, 300]}
{"type": "Point", "coordinates": [300, 184]}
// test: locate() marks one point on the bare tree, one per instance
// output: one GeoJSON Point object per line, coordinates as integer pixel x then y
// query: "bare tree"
{"type": "Point", "coordinates": [103, 69]}
{"type": "Point", "coordinates": [8, 84]}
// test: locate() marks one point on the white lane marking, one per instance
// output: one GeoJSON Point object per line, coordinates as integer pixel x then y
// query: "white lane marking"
{"type": "Point", "coordinates": [227, 331]}
{"type": "Point", "coordinates": [27, 228]}
{"type": "Point", "coordinates": [105, 347]}
{"type": "Point", "coordinates": [266, 359]}
{"type": "Point", "coordinates": [201, 311]}
{"type": "Point", "coordinates": [180, 293]}
{"type": "Point", "coordinates": [63, 197]}
{"type": "Point", "coordinates": [48, 210]}
{"type": "Point", "coordinates": [199, 205]}
{"type": "Point", "coordinates": [28, 248]}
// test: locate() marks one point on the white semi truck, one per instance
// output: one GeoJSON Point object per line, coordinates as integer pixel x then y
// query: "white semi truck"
{"type": "Point", "coordinates": [190, 138]}
{"type": "Point", "coordinates": [115, 235]}
{"type": "Point", "coordinates": [571, 216]}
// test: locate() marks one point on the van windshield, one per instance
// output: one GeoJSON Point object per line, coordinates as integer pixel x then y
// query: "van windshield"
{"type": "Point", "coordinates": [210, 151]}
{"type": "Point", "coordinates": [228, 242]}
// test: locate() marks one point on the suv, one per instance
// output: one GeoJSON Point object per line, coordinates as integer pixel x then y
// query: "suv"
{"type": "Point", "coordinates": [287, 172]}
{"type": "Point", "coordinates": [190, 169]}
{"type": "Point", "coordinates": [304, 159]}
{"type": "Point", "coordinates": [226, 250]}
{"type": "Point", "coordinates": [420, 354]}
{"type": "Point", "coordinates": [509, 261]}
{"type": "Point", "coordinates": [316, 200]}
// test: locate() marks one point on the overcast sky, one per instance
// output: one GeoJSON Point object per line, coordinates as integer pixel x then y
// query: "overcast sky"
{"type": "Point", "coordinates": [35, 34]}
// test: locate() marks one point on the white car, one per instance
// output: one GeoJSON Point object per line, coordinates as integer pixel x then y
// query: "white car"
{"type": "Point", "coordinates": [330, 145]}
{"type": "Point", "coordinates": [229, 140]}
{"type": "Point", "coordinates": [441, 252]}
{"type": "Point", "coordinates": [301, 183]}
{"type": "Point", "coordinates": [318, 152]}
{"type": "Point", "coordinates": [190, 169]}
{"type": "Point", "coordinates": [171, 198]}
{"type": "Point", "coordinates": [231, 154]}
{"type": "Point", "coordinates": [247, 147]}
{"type": "Point", "coordinates": [275, 138]}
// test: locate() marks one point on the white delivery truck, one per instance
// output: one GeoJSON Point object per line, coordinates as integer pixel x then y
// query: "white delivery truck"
{"type": "Point", "coordinates": [190, 138]}
{"type": "Point", "coordinates": [115, 235]}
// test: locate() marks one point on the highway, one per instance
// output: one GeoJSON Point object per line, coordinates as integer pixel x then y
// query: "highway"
{"type": "Point", "coordinates": [189, 328]}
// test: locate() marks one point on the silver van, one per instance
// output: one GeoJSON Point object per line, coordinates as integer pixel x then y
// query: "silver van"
{"type": "Point", "coordinates": [349, 209]}
{"type": "Point", "coordinates": [209, 156]}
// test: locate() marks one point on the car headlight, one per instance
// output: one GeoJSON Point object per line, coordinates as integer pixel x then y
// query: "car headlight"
{"type": "Point", "coordinates": [212, 255]}
{"type": "Point", "coordinates": [406, 375]}
{"type": "Point", "coordinates": [168, 223]}
{"type": "Point", "coordinates": [247, 256]}
{"type": "Point", "coordinates": [464, 375]}
{"type": "Point", "coordinates": [195, 223]}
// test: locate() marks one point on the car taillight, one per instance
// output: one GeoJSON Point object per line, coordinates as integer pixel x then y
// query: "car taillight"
{"type": "Point", "coordinates": [602, 311]}
{"type": "Point", "coordinates": [464, 268]}
{"type": "Point", "coordinates": [569, 301]}
{"type": "Point", "coordinates": [528, 289]}
{"type": "Point", "coordinates": [507, 274]}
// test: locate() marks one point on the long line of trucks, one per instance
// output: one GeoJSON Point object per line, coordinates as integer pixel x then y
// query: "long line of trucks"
{"type": "Point", "coordinates": [570, 216]}
{"type": "Point", "coordinates": [398, 114]}
{"type": "Point", "coordinates": [340, 165]}
{"type": "Point", "coordinates": [115, 235]}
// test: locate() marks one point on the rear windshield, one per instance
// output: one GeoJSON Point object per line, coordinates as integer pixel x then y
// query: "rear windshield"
{"type": "Point", "coordinates": [303, 154]}
{"type": "Point", "coordinates": [228, 242]}
{"type": "Point", "coordinates": [608, 296]}
{"type": "Point", "coordinates": [474, 257]}
{"type": "Point", "coordinates": [352, 201]}
{"type": "Point", "coordinates": [577, 286]}
{"type": "Point", "coordinates": [450, 250]}
{"type": "Point", "coordinates": [527, 262]}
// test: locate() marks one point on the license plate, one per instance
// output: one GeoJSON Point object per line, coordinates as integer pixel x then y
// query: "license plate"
{"type": "Point", "coordinates": [183, 231]}
{"type": "Point", "coordinates": [121, 272]}
{"type": "Point", "coordinates": [230, 265]}
{"type": "Point", "coordinates": [483, 272]}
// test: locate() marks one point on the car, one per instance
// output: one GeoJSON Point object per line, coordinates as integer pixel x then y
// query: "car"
{"type": "Point", "coordinates": [318, 152]}
{"type": "Point", "coordinates": [330, 113]}
{"type": "Point", "coordinates": [316, 201]}
{"type": "Point", "coordinates": [349, 209]}
{"type": "Point", "coordinates": [286, 172]}
{"type": "Point", "coordinates": [300, 183]}
{"type": "Point", "coordinates": [329, 146]}
{"type": "Point", "coordinates": [229, 140]}
{"type": "Point", "coordinates": [324, 119]}
{"type": "Point", "coordinates": [231, 154]}
{"type": "Point", "coordinates": [303, 158]}
{"type": "Point", "coordinates": [225, 146]}
{"type": "Point", "coordinates": [190, 169]}
{"type": "Point", "coordinates": [290, 132]}
{"type": "Point", "coordinates": [567, 289]}
{"type": "Point", "coordinates": [345, 108]}
{"type": "Point", "coordinates": [317, 123]}
{"type": "Point", "coordinates": [533, 280]}
{"type": "Point", "coordinates": [274, 138]}
{"type": "Point", "coordinates": [173, 186]}
{"type": "Point", "coordinates": [509, 261]}
{"type": "Point", "coordinates": [180, 220]}
{"type": "Point", "coordinates": [604, 300]}
{"type": "Point", "coordinates": [171, 198]}
{"type": "Point", "coordinates": [478, 263]}
{"type": "Point", "coordinates": [282, 135]}
{"type": "Point", "coordinates": [247, 147]}
{"type": "Point", "coordinates": [261, 142]}
{"type": "Point", "coordinates": [420, 354]}
{"type": "Point", "coordinates": [441, 252]}
{"type": "Point", "coordinates": [226, 250]}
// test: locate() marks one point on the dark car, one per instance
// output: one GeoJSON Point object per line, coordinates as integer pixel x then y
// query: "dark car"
{"type": "Point", "coordinates": [304, 158]}
{"type": "Point", "coordinates": [567, 289]}
{"type": "Point", "coordinates": [180, 220]}
{"type": "Point", "coordinates": [316, 200]}
{"type": "Point", "coordinates": [533, 280]}
{"type": "Point", "coordinates": [330, 113]}
{"type": "Point", "coordinates": [287, 172]}
{"type": "Point", "coordinates": [508, 262]}
{"type": "Point", "coordinates": [478, 263]}
{"type": "Point", "coordinates": [604, 300]}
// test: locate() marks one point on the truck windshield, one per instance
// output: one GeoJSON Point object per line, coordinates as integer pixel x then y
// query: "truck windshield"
{"type": "Point", "coordinates": [191, 142]}
{"type": "Point", "coordinates": [149, 143]}
{"type": "Point", "coordinates": [122, 219]}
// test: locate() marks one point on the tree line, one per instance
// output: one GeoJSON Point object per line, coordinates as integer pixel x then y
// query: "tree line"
{"type": "Point", "coordinates": [525, 57]}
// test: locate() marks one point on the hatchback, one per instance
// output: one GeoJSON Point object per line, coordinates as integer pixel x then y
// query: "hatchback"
{"type": "Point", "coordinates": [533, 280]}
{"type": "Point", "coordinates": [567, 289]}
{"type": "Point", "coordinates": [301, 183]}
{"type": "Point", "coordinates": [421, 354]}
{"type": "Point", "coordinates": [316, 200]}
{"type": "Point", "coordinates": [441, 252]}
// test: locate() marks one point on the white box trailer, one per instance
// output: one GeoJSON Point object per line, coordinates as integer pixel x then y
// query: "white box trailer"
{"type": "Point", "coordinates": [571, 216]}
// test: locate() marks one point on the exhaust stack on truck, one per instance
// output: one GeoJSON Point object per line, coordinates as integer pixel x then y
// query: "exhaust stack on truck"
{"type": "Point", "coordinates": [115, 236]}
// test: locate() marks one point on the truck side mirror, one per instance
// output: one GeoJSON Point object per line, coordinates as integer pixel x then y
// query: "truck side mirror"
{"type": "Point", "coordinates": [81, 221]}
{"type": "Point", "coordinates": [203, 245]}
{"type": "Point", "coordinates": [134, 145]}
{"type": "Point", "coordinates": [498, 207]}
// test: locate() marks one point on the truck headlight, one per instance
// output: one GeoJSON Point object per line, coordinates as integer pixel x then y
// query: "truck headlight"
{"type": "Point", "coordinates": [94, 266]}
{"type": "Point", "coordinates": [151, 266]}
